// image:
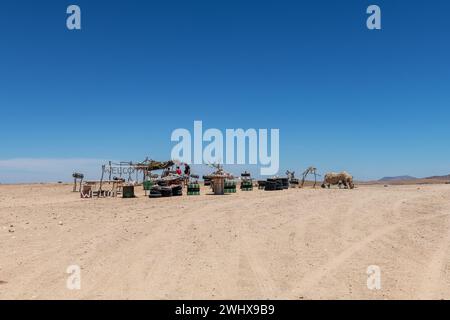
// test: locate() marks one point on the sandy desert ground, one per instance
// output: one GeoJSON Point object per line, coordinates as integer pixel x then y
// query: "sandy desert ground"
{"type": "Point", "coordinates": [294, 244]}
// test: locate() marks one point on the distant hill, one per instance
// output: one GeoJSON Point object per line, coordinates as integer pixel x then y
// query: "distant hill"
{"type": "Point", "coordinates": [412, 180]}
{"type": "Point", "coordinates": [447, 177]}
{"type": "Point", "coordinates": [398, 178]}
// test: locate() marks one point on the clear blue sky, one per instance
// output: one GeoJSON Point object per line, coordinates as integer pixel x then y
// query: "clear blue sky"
{"type": "Point", "coordinates": [374, 103]}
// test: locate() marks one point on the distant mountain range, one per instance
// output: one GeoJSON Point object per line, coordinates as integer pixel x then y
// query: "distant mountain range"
{"type": "Point", "coordinates": [397, 178]}
{"type": "Point", "coordinates": [406, 178]}
{"type": "Point", "coordinates": [447, 177]}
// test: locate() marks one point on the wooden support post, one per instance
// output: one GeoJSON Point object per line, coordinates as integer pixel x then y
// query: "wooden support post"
{"type": "Point", "coordinates": [101, 181]}
{"type": "Point", "coordinates": [303, 180]}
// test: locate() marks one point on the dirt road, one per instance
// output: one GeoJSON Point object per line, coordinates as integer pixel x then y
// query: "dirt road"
{"type": "Point", "coordinates": [294, 244]}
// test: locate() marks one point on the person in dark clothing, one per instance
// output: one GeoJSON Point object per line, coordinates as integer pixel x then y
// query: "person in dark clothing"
{"type": "Point", "coordinates": [187, 170]}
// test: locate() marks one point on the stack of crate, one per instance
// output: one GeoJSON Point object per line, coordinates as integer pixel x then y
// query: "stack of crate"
{"type": "Point", "coordinates": [230, 186]}
{"type": "Point", "coordinates": [193, 189]}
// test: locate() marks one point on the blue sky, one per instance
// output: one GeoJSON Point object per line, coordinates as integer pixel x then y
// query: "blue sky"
{"type": "Point", "coordinates": [374, 103]}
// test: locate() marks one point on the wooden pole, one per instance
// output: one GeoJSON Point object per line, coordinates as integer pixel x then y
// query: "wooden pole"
{"type": "Point", "coordinates": [303, 179]}
{"type": "Point", "coordinates": [101, 181]}
{"type": "Point", "coordinates": [315, 179]}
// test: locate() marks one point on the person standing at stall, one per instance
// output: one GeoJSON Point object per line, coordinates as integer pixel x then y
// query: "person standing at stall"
{"type": "Point", "coordinates": [187, 173]}
{"type": "Point", "coordinates": [187, 170]}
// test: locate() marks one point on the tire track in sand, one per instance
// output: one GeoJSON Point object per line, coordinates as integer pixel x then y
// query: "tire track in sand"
{"type": "Point", "coordinates": [314, 277]}
{"type": "Point", "coordinates": [264, 282]}
{"type": "Point", "coordinates": [432, 283]}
